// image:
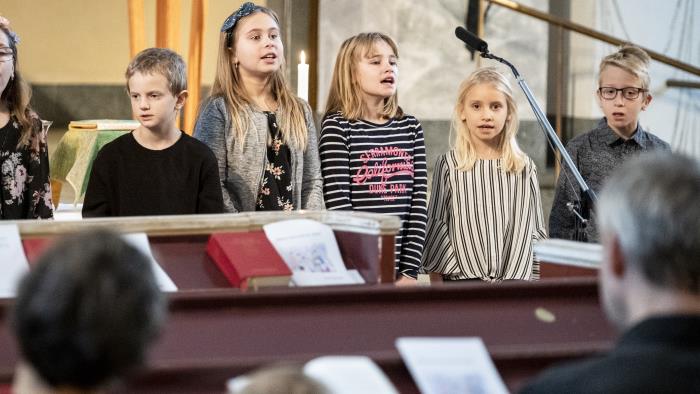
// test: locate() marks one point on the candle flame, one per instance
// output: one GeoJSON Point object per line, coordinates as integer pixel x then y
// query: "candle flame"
{"type": "Point", "coordinates": [302, 57]}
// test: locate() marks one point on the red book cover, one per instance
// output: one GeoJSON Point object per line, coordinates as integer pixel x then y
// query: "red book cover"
{"type": "Point", "coordinates": [248, 258]}
{"type": "Point", "coordinates": [35, 247]}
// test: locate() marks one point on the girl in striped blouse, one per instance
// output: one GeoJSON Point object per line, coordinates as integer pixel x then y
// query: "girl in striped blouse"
{"type": "Point", "coordinates": [485, 211]}
{"type": "Point", "coordinates": [372, 154]}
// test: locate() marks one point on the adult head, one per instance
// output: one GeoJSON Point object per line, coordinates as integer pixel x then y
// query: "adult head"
{"type": "Point", "coordinates": [648, 215]}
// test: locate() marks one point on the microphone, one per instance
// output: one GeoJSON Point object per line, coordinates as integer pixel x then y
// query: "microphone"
{"type": "Point", "coordinates": [472, 40]}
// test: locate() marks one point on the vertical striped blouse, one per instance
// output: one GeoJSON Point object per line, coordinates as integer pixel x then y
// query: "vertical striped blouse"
{"type": "Point", "coordinates": [482, 223]}
{"type": "Point", "coordinates": [379, 168]}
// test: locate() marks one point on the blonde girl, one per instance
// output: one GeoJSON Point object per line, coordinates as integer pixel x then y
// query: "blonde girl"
{"type": "Point", "coordinates": [25, 190]}
{"type": "Point", "coordinates": [485, 211]}
{"type": "Point", "coordinates": [372, 154]}
{"type": "Point", "coordinates": [262, 135]}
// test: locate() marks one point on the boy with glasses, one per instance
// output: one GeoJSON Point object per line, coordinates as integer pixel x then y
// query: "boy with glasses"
{"type": "Point", "coordinates": [623, 92]}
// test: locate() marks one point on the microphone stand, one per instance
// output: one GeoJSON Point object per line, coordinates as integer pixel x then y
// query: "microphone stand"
{"type": "Point", "coordinates": [581, 209]}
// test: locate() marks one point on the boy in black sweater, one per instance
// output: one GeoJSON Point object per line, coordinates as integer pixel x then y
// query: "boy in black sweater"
{"type": "Point", "coordinates": [156, 169]}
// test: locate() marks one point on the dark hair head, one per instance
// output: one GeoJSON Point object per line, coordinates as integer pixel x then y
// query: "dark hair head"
{"type": "Point", "coordinates": [651, 205]}
{"type": "Point", "coordinates": [88, 310]}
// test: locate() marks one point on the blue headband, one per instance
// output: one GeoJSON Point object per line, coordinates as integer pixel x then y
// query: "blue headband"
{"type": "Point", "coordinates": [244, 10]}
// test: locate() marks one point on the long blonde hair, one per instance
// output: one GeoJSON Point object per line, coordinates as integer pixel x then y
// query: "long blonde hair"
{"type": "Point", "coordinates": [344, 95]}
{"type": "Point", "coordinates": [514, 159]}
{"type": "Point", "coordinates": [229, 85]}
{"type": "Point", "coordinates": [632, 59]}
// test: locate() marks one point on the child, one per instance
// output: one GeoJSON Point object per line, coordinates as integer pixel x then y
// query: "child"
{"type": "Point", "coordinates": [623, 92]}
{"type": "Point", "coordinates": [372, 154]}
{"type": "Point", "coordinates": [156, 169]}
{"type": "Point", "coordinates": [262, 134]}
{"type": "Point", "coordinates": [485, 210]}
{"type": "Point", "coordinates": [25, 190]}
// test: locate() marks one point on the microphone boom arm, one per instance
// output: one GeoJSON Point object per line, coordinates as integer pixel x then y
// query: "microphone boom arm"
{"type": "Point", "coordinates": [586, 192]}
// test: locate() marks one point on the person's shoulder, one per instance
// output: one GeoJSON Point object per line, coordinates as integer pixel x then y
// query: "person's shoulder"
{"type": "Point", "coordinates": [334, 122]}
{"type": "Point", "coordinates": [334, 117]}
{"type": "Point", "coordinates": [114, 151]}
{"type": "Point", "coordinates": [530, 165]}
{"type": "Point", "coordinates": [117, 146]}
{"type": "Point", "coordinates": [408, 119]}
{"type": "Point", "coordinates": [566, 378]}
{"type": "Point", "coordinates": [215, 102]}
{"type": "Point", "coordinates": [446, 161]}
{"type": "Point", "coordinates": [411, 124]}
{"type": "Point", "coordinates": [656, 142]}
{"type": "Point", "coordinates": [582, 139]}
{"type": "Point", "coordinates": [195, 146]}
{"type": "Point", "coordinates": [305, 106]}
{"type": "Point", "coordinates": [587, 138]}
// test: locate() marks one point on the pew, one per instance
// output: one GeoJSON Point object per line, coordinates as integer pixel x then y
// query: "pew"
{"type": "Point", "coordinates": [215, 332]}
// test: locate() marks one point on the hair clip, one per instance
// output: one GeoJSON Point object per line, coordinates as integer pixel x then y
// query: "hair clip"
{"type": "Point", "coordinates": [244, 10]}
{"type": "Point", "coordinates": [5, 23]}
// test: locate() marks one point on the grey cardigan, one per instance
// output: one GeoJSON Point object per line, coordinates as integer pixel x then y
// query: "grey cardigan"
{"type": "Point", "coordinates": [241, 163]}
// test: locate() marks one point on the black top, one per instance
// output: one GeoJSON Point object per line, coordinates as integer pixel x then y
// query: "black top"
{"type": "Point", "coordinates": [130, 180]}
{"type": "Point", "coordinates": [276, 186]}
{"type": "Point", "coordinates": [658, 355]}
{"type": "Point", "coordinates": [596, 154]}
{"type": "Point", "coordinates": [25, 190]}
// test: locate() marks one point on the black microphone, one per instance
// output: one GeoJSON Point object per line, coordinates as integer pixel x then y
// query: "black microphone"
{"type": "Point", "coordinates": [472, 40]}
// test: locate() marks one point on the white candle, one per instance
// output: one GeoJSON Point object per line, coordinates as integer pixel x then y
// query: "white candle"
{"type": "Point", "coordinates": [303, 78]}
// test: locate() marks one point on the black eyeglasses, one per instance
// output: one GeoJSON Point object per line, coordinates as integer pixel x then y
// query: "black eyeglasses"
{"type": "Point", "coordinates": [630, 93]}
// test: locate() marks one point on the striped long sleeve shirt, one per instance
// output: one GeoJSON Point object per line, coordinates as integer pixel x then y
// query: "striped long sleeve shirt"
{"type": "Point", "coordinates": [379, 168]}
{"type": "Point", "coordinates": [483, 222]}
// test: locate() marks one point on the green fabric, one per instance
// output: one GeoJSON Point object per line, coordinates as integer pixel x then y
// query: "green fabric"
{"type": "Point", "coordinates": [71, 162]}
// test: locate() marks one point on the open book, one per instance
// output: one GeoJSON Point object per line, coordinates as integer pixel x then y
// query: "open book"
{"type": "Point", "coordinates": [310, 250]}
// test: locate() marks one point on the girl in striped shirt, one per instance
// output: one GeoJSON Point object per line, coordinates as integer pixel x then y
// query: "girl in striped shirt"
{"type": "Point", "coordinates": [485, 211]}
{"type": "Point", "coordinates": [372, 154]}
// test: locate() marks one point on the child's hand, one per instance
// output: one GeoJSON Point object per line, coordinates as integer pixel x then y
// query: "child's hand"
{"type": "Point", "coordinates": [406, 281]}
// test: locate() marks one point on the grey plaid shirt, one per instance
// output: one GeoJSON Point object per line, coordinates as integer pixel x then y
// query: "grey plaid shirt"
{"type": "Point", "coordinates": [596, 154]}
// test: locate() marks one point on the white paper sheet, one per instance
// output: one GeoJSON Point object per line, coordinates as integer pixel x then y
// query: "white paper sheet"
{"type": "Point", "coordinates": [451, 365]}
{"type": "Point", "coordinates": [140, 242]}
{"type": "Point", "coordinates": [310, 250]}
{"type": "Point", "coordinates": [13, 262]}
{"type": "Point", "coordinates": [68, 212]}
{"type": "Point", "coordinates": [349, 375]}
{"type": "Point", "coordinates": [339, 374]}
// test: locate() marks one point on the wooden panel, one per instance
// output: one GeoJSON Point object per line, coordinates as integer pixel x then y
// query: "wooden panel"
{"type": "Point", "coordinates": [213, 334]}
{"type": "Point", "coordinates": [548, 270]}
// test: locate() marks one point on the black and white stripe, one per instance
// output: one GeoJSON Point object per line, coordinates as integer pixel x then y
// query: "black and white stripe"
{"type": "Point", "coordinates": [483, 222]}
{"type": "Point", "coordinates": [379, 168]}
